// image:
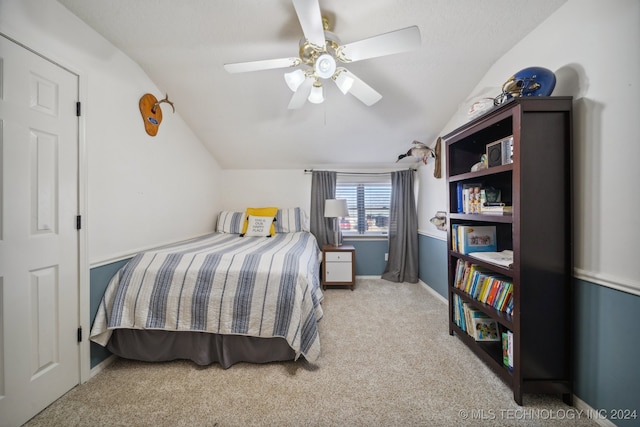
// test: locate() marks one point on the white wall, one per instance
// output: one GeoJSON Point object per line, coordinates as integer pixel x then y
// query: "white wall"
{"type": "Point", "coordinates": [283, 188]}
{"type": "Point", "coordinates": [432, 195]}
{"type": "Point", "coordinates": [142, 191]}
{"type": "Point", "coordinates": [286, 188]}
{"type": "Point", "coordinates": [592, 46]}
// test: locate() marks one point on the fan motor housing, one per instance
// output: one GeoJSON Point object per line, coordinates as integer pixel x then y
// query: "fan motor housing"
{"type": "Point", "coordinates": [309, 53]}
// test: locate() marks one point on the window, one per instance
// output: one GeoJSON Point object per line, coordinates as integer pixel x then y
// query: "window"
{"type": "Point", "coordinates": [368, 199]}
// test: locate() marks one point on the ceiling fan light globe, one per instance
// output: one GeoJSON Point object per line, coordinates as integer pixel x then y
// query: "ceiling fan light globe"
{"type": "Point", "coordinates": [316, 96]}
{"type": "Point", "coordinates": [325, 66]}
{"type": "Point", "coordinates": [294, 79]}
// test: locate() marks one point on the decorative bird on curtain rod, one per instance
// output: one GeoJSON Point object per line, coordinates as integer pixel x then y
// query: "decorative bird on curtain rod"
{"type": "Point", "coordinates": [423, 152]}
{"type": "Point", "coordinates": [420, 151]}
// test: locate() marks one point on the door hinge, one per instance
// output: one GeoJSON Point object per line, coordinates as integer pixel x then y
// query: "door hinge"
{"type": "Point", "coordinates": [78, 109]}
{"type": "Point", "coordinates": [78, 222]}
{"type": "Point", "coordinates": [80, 334]}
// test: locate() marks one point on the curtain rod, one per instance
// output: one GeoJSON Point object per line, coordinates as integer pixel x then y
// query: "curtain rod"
{"type": "Point", "coordinates": [359, 173]}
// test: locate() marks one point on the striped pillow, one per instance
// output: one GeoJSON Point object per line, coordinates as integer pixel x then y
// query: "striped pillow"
{"type": "Point", "coordinates": [230, 222]}
{"type": "Point", "coordinates": [291, 220]}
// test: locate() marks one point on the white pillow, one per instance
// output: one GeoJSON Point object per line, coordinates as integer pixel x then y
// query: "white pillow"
{"type": "Point", "coordinates": [291, 220]}
{"type": "Point", "coordinates": [230, 222]}
{"type": "Point", "coordinates": [259, 226]}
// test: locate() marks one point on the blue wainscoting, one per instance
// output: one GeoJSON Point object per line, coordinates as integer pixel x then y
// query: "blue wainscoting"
{"type": "Point", "coordinates": [607, 350]}
{"type": "Point", "coordinates": [369, 256]}
{"type": "Point", "coordinates": [433, 263]}
{"type": "Point", "coordinates": [99, 278]}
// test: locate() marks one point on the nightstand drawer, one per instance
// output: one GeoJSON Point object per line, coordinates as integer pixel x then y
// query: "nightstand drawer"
{"type": "Point", "coordinates": [345, 256]}
{"type": "Point", "coordinates": [339, 272]}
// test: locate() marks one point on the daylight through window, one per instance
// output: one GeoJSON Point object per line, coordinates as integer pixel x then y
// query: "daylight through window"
{"type": "Point", "coordinates": [368, 202]}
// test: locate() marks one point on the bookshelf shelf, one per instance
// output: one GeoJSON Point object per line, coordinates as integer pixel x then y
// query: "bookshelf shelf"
{"type": "Point", "coordinates": [480, 217]}
{"type": "Point", "coordinates": [537, 184]}
{"type": "Point", "coordinates": [490, 171]}
{"type": "Point", "coordinates": [496, 268]}
{"type": "Point", "coordinates": [490, 353]}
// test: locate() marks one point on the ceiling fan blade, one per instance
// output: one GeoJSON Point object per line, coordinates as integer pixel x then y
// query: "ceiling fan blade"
{"type": "Point", "coordinates": [301, 94]}
{"type": "Point", "coordinates": [310, 18]}
{"type": "Point", "coordinates": [384, 44]}
{"type": "Point", "coordinates": [363, 91]}
{"type": "Point", "coordinates": [267, 64]}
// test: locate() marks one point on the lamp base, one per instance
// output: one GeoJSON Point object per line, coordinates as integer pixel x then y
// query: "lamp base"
{"type": "Point", "coordinates": [337, 233]}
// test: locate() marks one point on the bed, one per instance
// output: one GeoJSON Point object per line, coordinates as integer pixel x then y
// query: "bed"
{"type": "Point", "coordinates": [228, 297]}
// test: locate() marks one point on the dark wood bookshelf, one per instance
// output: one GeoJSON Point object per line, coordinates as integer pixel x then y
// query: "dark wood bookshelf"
{"type": "Point", "coordinates": [537, 183]}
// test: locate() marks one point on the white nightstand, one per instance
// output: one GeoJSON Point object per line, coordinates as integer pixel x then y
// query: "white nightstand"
{"type": "Point", "coordinates": [339, 266]}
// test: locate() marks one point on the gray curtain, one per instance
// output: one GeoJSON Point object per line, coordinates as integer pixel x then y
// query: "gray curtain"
{"type": "Point", "coordinates": [402, 265]}
{"type": "Point", "coordinates": [323, 187]}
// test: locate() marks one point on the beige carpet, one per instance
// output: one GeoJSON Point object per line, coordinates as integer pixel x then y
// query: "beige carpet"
{"type": "Point", "coordinates": [387, 360]}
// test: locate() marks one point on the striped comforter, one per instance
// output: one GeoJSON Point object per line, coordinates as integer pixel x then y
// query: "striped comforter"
{"type": "Point", "coordinates": [223, 284]}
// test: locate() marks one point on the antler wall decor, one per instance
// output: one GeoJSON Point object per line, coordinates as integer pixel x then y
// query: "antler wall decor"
{"type": "Point", "coordinates": [152, 113]}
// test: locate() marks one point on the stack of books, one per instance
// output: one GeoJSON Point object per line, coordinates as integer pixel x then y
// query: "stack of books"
{"type": "Point", "coordinates": [496, 208]}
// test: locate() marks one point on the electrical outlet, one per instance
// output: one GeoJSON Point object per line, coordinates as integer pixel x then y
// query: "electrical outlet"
{"type": "Point", "coordinates": [386, 256]}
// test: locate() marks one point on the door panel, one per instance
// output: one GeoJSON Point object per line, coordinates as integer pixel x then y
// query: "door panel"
{"type": "Point", "coordinates": [39, 267]}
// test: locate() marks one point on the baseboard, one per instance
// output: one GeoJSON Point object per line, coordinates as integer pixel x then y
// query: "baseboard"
{"type": "Point", "coordinates": [434, 293]}
{"type": "Point", "coordinates": [102, 365]}
{"type": "Point", "coordinates": [599, 416]}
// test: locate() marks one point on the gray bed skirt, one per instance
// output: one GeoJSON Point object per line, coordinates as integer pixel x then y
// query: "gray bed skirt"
{"type": "Point", "coordinates": [200, 347]}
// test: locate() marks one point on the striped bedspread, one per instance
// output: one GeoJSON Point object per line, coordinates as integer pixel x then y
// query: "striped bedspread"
{"type": "Point", "coordinates": [223, 284]}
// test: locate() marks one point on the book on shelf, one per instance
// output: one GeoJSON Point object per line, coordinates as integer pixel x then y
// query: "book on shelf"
{"type": "Point", "coordinates": [459, 314]}
{"type": "Point", "coordinates": [496, 210]}
{"type": "Point", "coordinates": [471, 315]}
{"type": "Point", "coordinates": [510, 349]}
{"type": "Point", "coordinates": [507, 349]}
{"type": "Point", "coordinates": [476, 238]}
{"type": "Point", "coordinates": [485, 329]}
{"type": "Point", "coordinates": [502, 258]}
{"type": "Point", "coordinates": [454, 237]}
{"type": "Point", "coordinates": [459, 198]}
{"type": "Point", "coordinates": [471, 198]}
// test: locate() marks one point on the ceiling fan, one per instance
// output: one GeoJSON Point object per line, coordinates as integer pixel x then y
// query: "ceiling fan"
{"type": "Point", "coordinates": [320, 53]}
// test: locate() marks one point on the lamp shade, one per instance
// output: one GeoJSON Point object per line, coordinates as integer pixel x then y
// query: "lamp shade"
{"type": "Point", "coordinates": [294, 79]}
{"type": "Point", "coordinates": [316, 96]}
{"type": "Point", "coordinates": [334, 208]}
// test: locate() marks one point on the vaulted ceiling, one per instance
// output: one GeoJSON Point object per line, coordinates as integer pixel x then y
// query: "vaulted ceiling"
{"type": "Point", "coordinates": [243, 119]}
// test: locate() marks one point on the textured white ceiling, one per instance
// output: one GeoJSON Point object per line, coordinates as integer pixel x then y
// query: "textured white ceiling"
{"type": "Point", "coordinates": [243, 118]}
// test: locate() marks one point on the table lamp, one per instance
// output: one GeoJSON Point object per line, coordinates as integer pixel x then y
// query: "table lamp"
{"type": "Point", "coordinates": [336, 208]}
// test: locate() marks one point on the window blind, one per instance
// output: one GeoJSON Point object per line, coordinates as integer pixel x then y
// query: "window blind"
{"type": "Point", "coordinates": [368, 204]}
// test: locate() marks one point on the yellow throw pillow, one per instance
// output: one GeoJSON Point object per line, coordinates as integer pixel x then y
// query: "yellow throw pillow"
{"type": "Point", "coordinates": [260, 212]}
